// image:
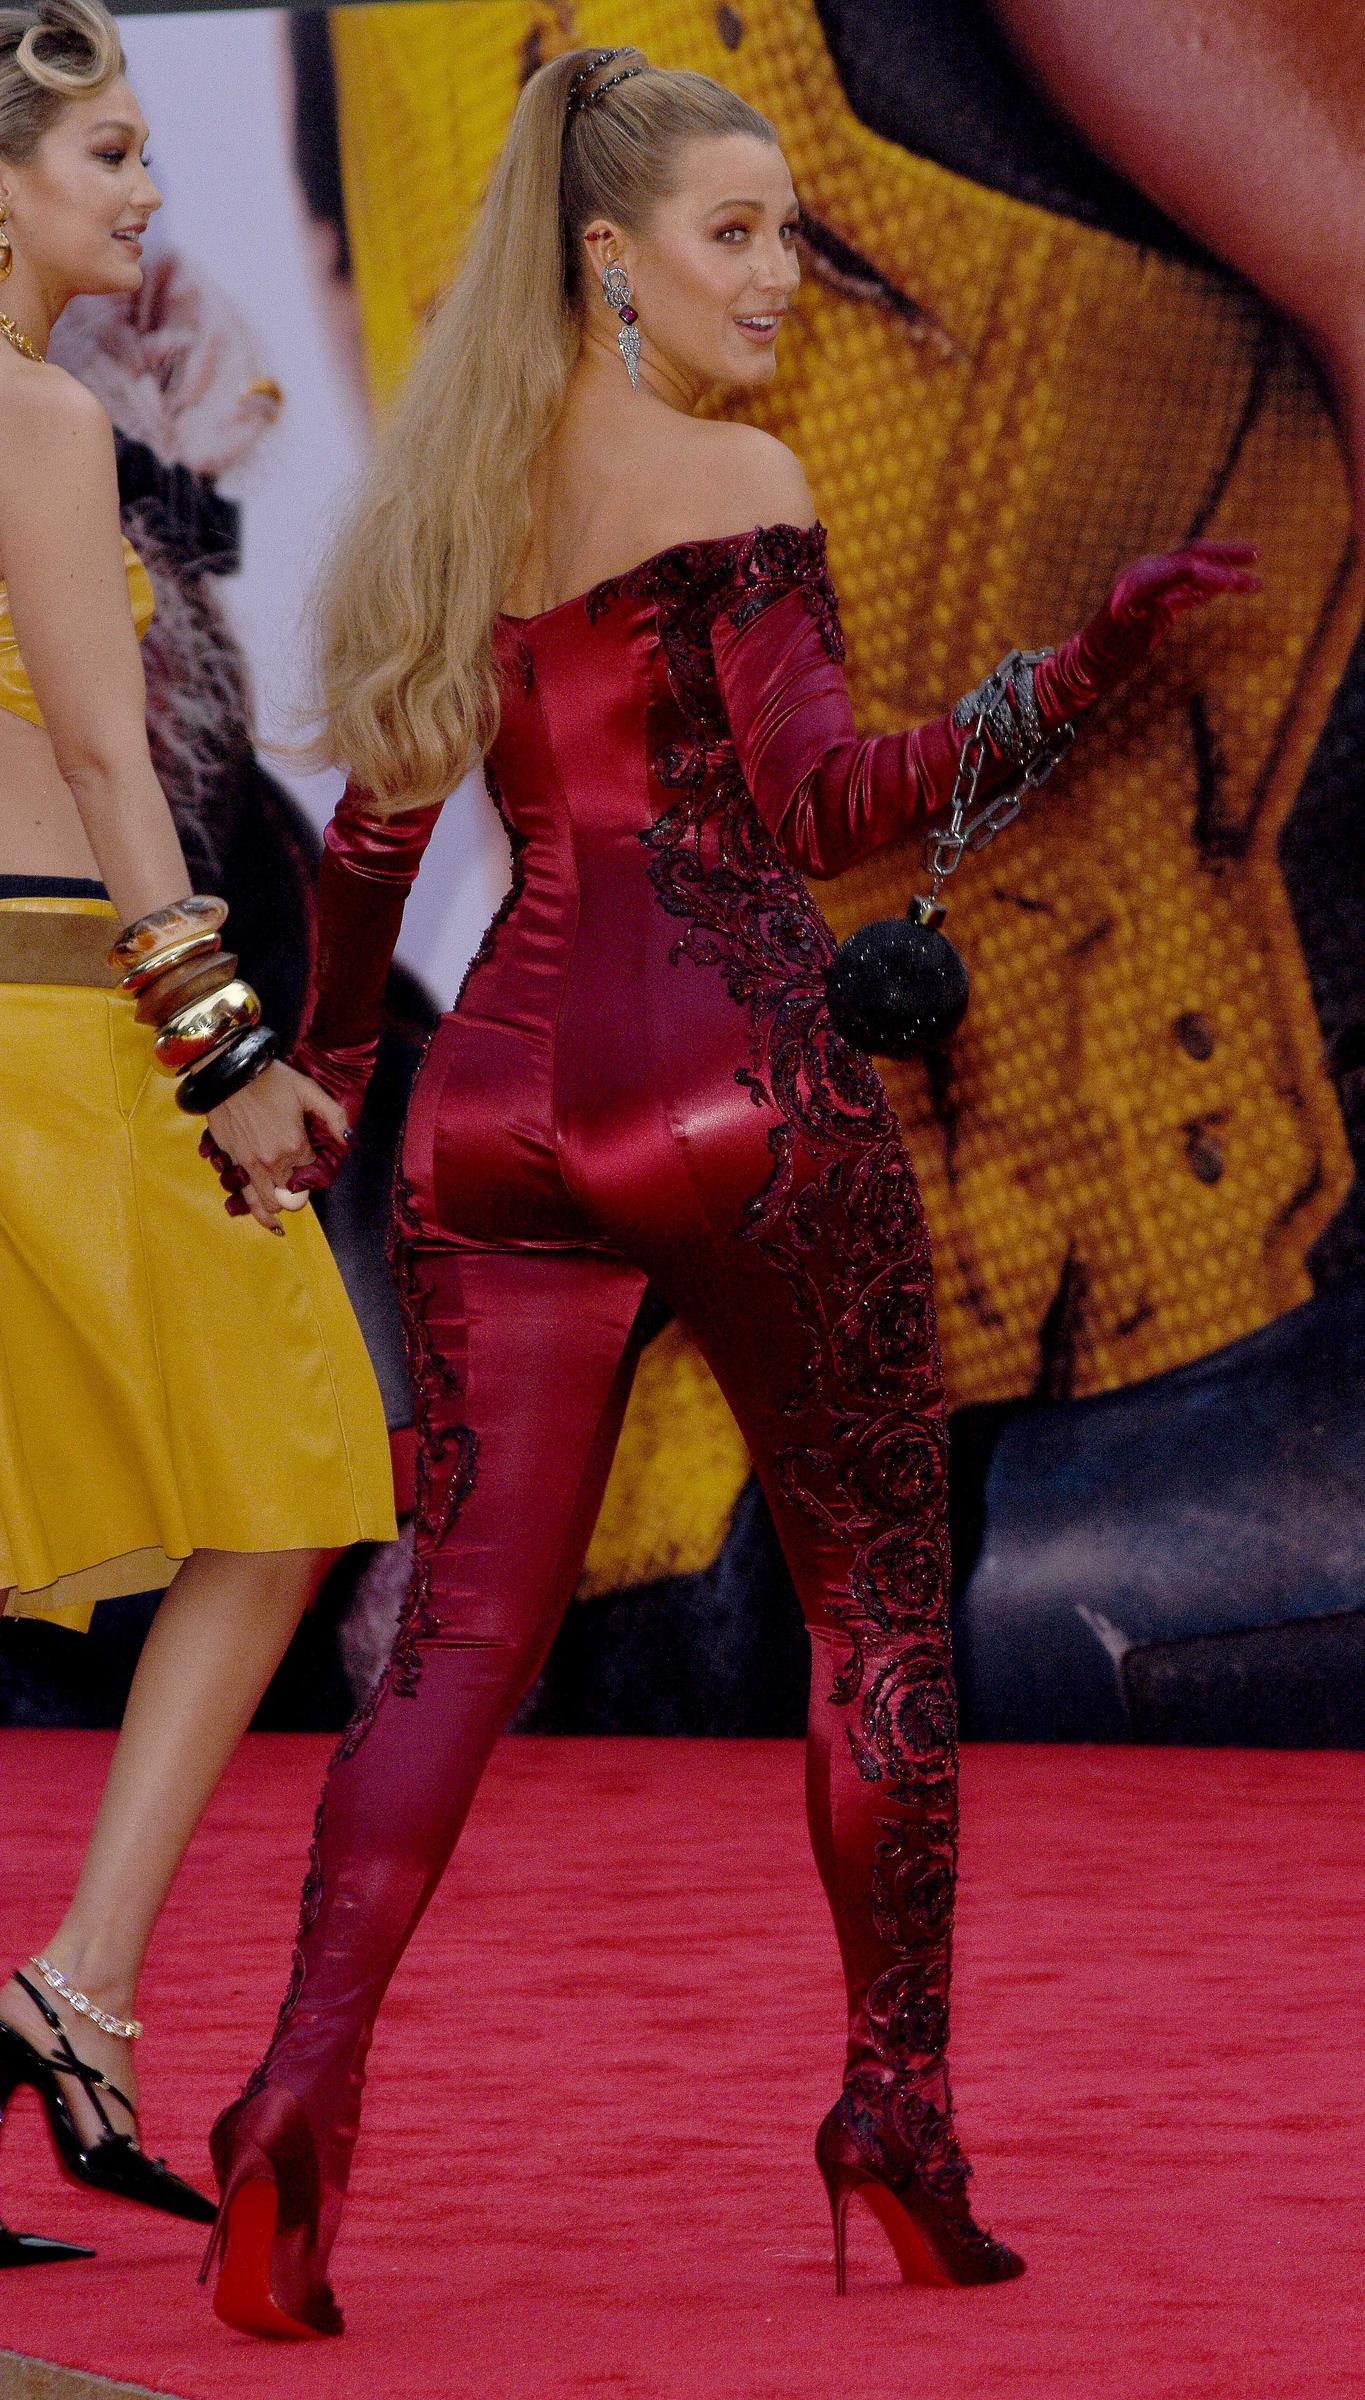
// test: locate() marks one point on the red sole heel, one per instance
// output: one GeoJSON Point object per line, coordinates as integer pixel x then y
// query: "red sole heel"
{"type": "Point", "coordinates": [936, 2242]}
{"type": "Point", "coordinates": [915, 2254]}
{"type": "Point", "coordinates": [242, 2296]}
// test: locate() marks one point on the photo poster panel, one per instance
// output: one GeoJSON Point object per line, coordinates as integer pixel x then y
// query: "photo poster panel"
{"type": "Point", "coordinates": [1004, 382]}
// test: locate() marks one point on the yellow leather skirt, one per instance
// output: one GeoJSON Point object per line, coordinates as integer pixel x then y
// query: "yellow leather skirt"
{"type": "Point", "coordinates": [171, 1378]}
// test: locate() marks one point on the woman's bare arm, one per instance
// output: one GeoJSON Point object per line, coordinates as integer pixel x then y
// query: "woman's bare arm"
{"type": "Point", "coordinates": [62, 558]}
{"type": "Point", "coordinates": [62, 555]}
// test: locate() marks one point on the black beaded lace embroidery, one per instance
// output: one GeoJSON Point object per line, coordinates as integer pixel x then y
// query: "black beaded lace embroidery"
{"type": "Point", "coordinates": [868, 1455]}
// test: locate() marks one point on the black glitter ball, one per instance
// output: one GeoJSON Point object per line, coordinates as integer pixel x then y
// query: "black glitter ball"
{"type": "Point", "coordinates": [896, 988]}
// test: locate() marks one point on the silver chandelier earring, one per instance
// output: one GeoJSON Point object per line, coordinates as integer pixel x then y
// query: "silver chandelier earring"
{"type": "Point", "coordinates": [616, 293]}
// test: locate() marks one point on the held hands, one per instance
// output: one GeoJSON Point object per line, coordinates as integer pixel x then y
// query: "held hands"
{"type": "Point", "coordinates": [342, 1074]}
{"type": "Point", "coordinates": [285, 1135]}
{"type": "Point", "coordinates": [369, 859]}
{"type": "Point", "coordinates": [273, 1142]}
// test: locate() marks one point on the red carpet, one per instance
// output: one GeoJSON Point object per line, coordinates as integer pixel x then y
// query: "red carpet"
{"type": "Point", "coordinates": [586, 2169]}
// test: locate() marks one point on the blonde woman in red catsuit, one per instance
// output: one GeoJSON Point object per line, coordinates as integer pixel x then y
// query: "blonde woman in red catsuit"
{"type": "Point", "coordinates": [627, 609]}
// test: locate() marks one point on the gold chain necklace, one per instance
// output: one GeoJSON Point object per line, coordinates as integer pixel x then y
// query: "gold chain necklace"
{"type": "Point", "coordinates": [17, 339]}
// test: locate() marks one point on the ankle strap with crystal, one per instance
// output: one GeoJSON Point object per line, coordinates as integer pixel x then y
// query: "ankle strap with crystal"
{"type": "Point", "coordinates": [127, 2028]}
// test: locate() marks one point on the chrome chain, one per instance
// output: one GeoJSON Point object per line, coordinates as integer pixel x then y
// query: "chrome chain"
{"type": "Point", "coordinates": [989, 708]}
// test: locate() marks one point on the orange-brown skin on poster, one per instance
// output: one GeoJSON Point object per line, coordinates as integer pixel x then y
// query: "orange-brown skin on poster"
{"type": "Point", "coordinates": [1245, 121]}
{"type": "Point", "coordinates": [1135, 1139]}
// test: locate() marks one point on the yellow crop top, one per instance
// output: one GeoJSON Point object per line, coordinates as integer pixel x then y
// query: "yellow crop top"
{"type": "Point", "coordinates": [16, 692]}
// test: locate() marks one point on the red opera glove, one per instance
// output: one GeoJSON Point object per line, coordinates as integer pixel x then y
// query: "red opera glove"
{"type": "Point", "coordinates": [829, 795]}
{"type": "Point", "coordinates": [1138, 614]}
{"type": "Point", "coordinates": [369, 863]}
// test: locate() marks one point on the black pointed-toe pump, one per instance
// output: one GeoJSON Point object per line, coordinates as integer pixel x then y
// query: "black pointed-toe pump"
{"type": "Point", "coordinates": [35, 2250]}
{"type": "Point", "coordinates": [111, 2163]}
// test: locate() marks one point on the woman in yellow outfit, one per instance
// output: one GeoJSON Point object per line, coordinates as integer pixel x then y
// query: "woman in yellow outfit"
{"type": "Point", "coordinates": [184, 1395]}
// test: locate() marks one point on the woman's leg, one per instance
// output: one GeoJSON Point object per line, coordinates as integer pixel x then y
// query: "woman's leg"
{"type": "Point", "coordinates": [213, 1646]}
{"type": "Point", "coordinates": [521, 1362]}
{"type": "Point", "coordinates": [817, 1318]}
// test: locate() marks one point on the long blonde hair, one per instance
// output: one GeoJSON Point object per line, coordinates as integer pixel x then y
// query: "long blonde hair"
{"type": "Point", "coordinates": [417, 572]}
{"type": "Point", "coordinates": [50, 52]}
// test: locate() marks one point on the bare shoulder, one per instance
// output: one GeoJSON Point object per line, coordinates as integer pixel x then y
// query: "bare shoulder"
{"type": "Point", "coordinates": [751, 478]}
{"type": "Point", "coordinates": [47, 397]}
{"type": "Point", "coordinates": [58, 435]}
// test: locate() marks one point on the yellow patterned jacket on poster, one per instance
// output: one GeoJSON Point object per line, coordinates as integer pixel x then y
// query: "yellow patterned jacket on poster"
{"type": "Point", "coordinates": [1136, 1138]}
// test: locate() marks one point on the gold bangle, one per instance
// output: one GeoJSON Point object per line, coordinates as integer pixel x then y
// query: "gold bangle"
{"type": "Point", "coordinates": [192, 1036]}
{"type": "Point", "coordinates": [195, 945]}
{"type": "Point", "coordinates": [198, 912]}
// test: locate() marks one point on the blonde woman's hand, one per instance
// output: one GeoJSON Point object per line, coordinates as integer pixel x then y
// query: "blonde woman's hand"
{"type": "Point", "coordinates": [263, 1136]}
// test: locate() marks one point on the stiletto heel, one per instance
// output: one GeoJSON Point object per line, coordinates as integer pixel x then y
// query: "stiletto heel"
{"type": "Point", "coordinates": [843, 2177]}
{"type": "Point", "coordinates": [840, 2191]}
{"type": "Point", "coordinates": [29, 2249]}
{"type": "Point", "coordinates": [935, 2238]}
{"type": "Point", "coordinates": [266, 2164]}
{"type": "Point", "coordinates": [113, 2163]}
{"type": "Point", "coordinates": [242, 2242]}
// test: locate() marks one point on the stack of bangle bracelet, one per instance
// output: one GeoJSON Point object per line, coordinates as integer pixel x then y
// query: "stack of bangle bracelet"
{"type": "Point", "coordinates": [208, 1021]}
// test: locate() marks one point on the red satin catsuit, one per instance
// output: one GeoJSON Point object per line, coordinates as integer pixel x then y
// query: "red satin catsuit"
{"type": "Point", "coordinates": [639, 1083]}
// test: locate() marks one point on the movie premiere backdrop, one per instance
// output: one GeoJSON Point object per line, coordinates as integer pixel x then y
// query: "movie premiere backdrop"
{"type": "Point", "coordinates": [1006, 372]}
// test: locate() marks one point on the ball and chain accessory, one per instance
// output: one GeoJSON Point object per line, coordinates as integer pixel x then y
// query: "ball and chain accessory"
{"type": "Point", "coordinates": [899, 987]}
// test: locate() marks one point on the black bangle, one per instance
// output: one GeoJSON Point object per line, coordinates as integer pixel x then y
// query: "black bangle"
{"type": "Point", "coordinates": [236, 1064]}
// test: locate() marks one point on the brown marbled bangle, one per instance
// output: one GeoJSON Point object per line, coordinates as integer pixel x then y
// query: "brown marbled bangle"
{"type": "Point", "coordinates": [194, 945]}
{"type": "Point", "coordinates": [177, 986]}
{"type": "Point", "coordinates": [196, 1032]}
{"type": "Point", "coordinates": [197, 913]}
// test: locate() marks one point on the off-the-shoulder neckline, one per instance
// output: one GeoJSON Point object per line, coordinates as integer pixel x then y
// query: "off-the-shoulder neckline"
{"type": "Point", "coordinates": [704, 541]}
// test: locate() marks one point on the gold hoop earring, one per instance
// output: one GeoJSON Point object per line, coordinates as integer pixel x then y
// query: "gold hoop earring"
{"type": "Point", "coordinates": [6, 246]}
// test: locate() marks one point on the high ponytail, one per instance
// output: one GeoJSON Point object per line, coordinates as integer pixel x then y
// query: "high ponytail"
{"type": "Point", "coordinates": [51, 51]}
{"type": "Point", "coordinates": [417, 573]}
